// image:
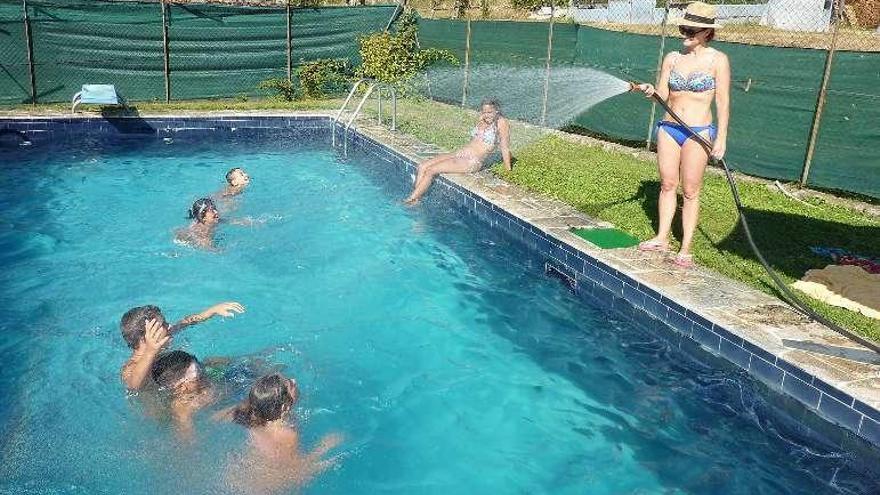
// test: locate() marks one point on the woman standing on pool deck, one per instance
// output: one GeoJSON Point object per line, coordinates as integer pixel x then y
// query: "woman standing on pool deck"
{"type": "Point", "coordinates": [492, 131]}
{"type": "Point", "coordinates": [689, 80]}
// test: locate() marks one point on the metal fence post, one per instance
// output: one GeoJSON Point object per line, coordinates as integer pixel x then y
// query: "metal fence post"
{"type": "Point", "coordinates": [549, 62]}
{"type": "Point", "coordinates": [165, 51]}
{"type": "Point", "coordinates": [30, 52]}
{"type": "Point", "coordinates": [467, 65]}
{"type": "Point", "coordinates": [823, 92]}
{"type": "Point", "coordinates": [657, 77]}
{"type": "Point", "coordinates": [289, 45]}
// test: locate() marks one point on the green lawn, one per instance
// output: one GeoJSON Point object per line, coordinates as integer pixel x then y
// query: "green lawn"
{"type": "Point", "coordinates": [622, 189]}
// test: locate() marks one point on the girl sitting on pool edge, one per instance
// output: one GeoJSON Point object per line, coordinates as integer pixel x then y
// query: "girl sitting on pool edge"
{"type": "Point", "coordinates": [492, 131]}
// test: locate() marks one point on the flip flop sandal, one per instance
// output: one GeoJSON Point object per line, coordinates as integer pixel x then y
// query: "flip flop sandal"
{"type": "Point", "coordinates": [684, 261]}
{"type": "Point", "coordinates": [653, 246]}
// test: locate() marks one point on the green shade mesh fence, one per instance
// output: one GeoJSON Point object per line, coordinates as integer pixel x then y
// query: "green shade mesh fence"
{"type": "Point", "coordinates": [773, 95]}
{"type": "Point", "coordinates": [225, 51]}
{"type": "Point", "coordinates": [214, 50]}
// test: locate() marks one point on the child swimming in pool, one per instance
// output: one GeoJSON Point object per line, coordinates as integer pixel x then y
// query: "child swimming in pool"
{"type": "Point", "coordinates": [200, 232]}
{"type": "Point", "coordinates": [236, 182]}
{"type": "Point", "coordinates": [146, 332]}
{"type": "Point", "coordinates": [182, 377]}
{"type": "Point", "coordinates": [273, 461]}
{"type": "Point", "coordinates": [206, 217]}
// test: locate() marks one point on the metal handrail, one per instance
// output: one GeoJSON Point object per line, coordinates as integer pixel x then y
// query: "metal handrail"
{"type": "Point", "coordinates": [393, 92]}
{"type": "Point", "coordinates": [354, 116]}
{"type": "Point", "coordinates": [351, 93]}
{"type": "Point", "coordinates": [373, 85]}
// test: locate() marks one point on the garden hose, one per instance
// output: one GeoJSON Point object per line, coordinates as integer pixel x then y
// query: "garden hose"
{"type": "Point", "coordinates": [788, 295]}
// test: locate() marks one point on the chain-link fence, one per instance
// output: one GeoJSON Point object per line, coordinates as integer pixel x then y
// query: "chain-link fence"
{"type": "Point", "coordinates": [153, 50]}
{"type": "Point", "coordinates": [805, 97]}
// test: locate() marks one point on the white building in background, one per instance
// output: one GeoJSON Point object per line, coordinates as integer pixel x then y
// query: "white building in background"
{"type": "Point", "coordinates": [793, 15]}
{"type": "Point", "coordinates": [798, 15]}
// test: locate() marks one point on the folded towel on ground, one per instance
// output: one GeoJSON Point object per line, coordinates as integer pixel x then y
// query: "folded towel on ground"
{"type": "Point", "coordinates": [846, 286]}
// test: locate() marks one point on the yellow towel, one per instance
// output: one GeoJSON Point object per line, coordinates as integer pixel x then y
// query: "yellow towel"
{"type": "Point", "coordinates": [845, 286]}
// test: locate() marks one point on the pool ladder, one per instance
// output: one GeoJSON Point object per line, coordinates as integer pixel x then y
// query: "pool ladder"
{"type": "Point", "coordinates": [372, 86]}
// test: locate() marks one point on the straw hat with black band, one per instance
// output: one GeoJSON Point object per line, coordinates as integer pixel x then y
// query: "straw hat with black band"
{"type": "Point", "coordinates": [698, 15]}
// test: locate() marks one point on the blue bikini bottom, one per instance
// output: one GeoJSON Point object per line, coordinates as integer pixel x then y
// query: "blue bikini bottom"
{"type": "Point", "coordinates": [681, 133]}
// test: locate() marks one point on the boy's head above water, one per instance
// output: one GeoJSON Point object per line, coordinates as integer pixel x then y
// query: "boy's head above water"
{"type": "Point", "coordinates": [204, 211]}
{"type": "Point", "coordinates": [178, 371]}
{"type": "Point", "coordinates": [134, 323]}
{"type": "Point", "coordinates": [270, 398]}
{"type": "Point", "coordinates": [237, 177]}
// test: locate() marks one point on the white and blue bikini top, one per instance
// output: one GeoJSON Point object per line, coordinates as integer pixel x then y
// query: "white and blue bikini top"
{"type": "Point", "coordinates": [489, 135]}
{"type": "Point", "coordinates": [695, 82]}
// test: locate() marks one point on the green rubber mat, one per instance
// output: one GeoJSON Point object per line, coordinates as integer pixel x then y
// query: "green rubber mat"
{"type": "Point", "coordinates": [606, 238]}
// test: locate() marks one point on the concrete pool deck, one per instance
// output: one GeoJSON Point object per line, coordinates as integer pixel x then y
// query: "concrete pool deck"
{"type": "Point", "coordinates": [829, 374]}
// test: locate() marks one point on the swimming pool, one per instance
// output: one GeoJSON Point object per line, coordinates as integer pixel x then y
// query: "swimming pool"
{"type": "Point", "coordinates": [438, 347]}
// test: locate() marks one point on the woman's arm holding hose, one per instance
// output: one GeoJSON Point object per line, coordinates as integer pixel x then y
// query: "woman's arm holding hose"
{"type": "Point", "coordinates": [662, 88]}
{"type": "Point", "coordinates": [722, 105]}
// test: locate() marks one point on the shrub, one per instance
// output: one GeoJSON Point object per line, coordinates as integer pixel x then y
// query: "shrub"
{"type": "Point", "coordinates": [282, 88]}
{"type": "Point", "coordinates": [395, 58]}
{"type": "Point", "coordinates": [321, 77]}
{"type": "Point", "coordinates": [531, 4]}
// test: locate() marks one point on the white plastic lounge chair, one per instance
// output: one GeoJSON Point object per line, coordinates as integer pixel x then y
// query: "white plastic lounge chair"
{"type": "Point", "coordinates": [103, 94]}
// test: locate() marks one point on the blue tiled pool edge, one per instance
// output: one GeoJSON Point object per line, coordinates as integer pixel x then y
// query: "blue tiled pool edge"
{"type": "Point", "coordinates": [596, 281]}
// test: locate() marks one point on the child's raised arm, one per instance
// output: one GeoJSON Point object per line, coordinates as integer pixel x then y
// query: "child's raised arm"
{"type": "Point", "coordinates": [222, 309]}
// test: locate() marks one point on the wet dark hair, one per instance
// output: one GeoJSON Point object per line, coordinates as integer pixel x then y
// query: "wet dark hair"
{"type": "Point", "coordinates": [134, 323]}
{"type": "Point", "coordinates": [232, 171]}
{"type": "Point", "coordinates": [492, 102]}
{"type": "Point", "coordinates": [268, 400]}
{"type": "Point", "coordinates": [170, 368]}
{"type": "Point", "coordinates": [200, 207]}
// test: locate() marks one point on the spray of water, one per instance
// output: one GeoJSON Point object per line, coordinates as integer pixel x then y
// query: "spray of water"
{"type": "Point", "coordinates": [571, 90]}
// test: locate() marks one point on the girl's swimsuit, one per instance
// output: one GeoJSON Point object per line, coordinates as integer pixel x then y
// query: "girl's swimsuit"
{"type": "Point", "coordinates": [487, 136]}
{"type": "Point", "coordinates": [695, 82]}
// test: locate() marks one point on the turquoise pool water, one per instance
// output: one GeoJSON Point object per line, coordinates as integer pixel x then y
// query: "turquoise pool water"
{"type": "Point", "coordinates": [440, 351]}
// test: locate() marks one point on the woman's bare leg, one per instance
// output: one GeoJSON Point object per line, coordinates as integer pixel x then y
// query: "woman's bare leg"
{"type": "Point", "coordinates": [693, 166]}
{"type": "Point", "coordinates": [668, 157]}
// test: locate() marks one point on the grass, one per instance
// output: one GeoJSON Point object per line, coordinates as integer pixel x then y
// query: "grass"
{"type": "Point", "coordinates": [185, 106]}
{"type": "Point", "coordinates": [620, 188]}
